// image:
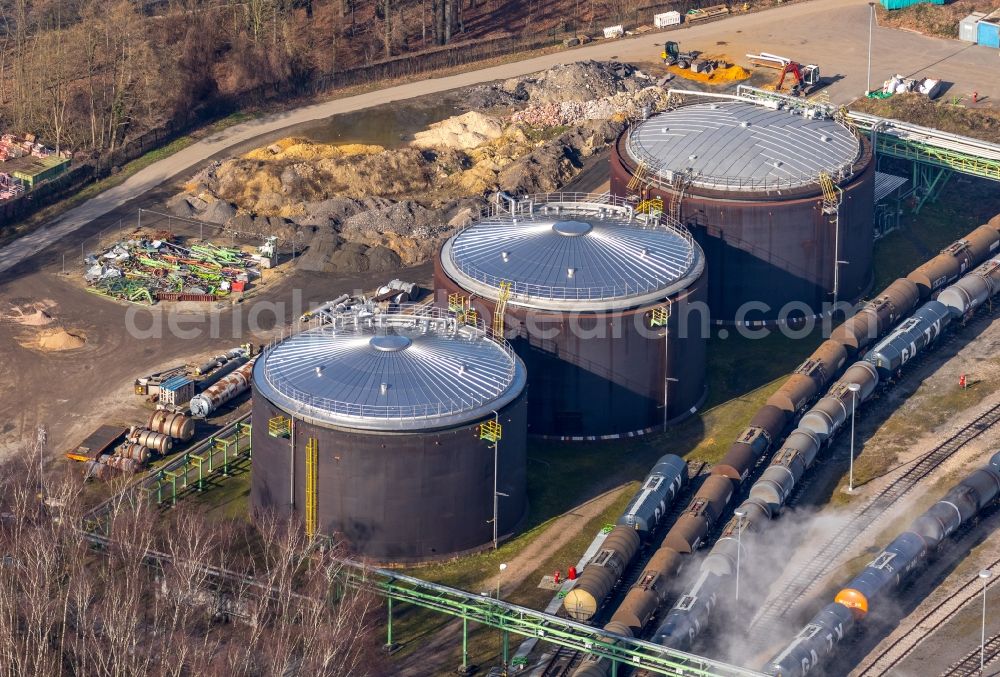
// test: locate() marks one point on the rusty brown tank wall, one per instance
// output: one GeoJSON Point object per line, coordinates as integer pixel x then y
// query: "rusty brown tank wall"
{"type": "Point", "coordinates": [395, 497]}
{"type": "Point", "coordinates": [608, 379]}
{"type": "Point", "coordinates": [773, 249]}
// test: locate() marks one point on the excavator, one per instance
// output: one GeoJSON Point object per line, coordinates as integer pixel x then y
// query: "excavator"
{"type": "Point", "coordinates": [807, 78]}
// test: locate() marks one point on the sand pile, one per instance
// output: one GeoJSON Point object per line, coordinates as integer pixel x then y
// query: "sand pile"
{"type": "Point", "coordinates": [463, 132]}
{"type": "Point", "coordinates": [55, 340]}
{"type": "Point", "coordinates": [29, 313]}
{"type": "Point", "coordinates": [39, 318]}
{"type": "Point", "coordinates": [294, 149]}
{"type": "Point", "coordinates": [370, 208]}
{"type": "Point", "coordinates": [718, 76]}
{"type": "Point", "coordinates": [279, 186]}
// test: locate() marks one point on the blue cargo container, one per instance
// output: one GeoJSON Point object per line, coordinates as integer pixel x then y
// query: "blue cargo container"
{"type": "Point", "coordinates": [988, 30]}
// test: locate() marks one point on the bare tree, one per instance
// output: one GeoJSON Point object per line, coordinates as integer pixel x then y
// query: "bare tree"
{"type": "Point", "coordinates": [126, 610]}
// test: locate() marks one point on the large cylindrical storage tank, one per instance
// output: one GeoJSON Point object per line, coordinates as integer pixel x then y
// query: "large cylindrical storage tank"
{"type": "Point", "coordinates": [748, 183]}
{"type": "Point", "coordinates": [606, 308]}
{"type": "Point", "coordinates": [393, 405]}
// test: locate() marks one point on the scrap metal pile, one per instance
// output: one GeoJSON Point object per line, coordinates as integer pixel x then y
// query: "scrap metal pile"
{"type": "Point", "coordinates": [149, 270]}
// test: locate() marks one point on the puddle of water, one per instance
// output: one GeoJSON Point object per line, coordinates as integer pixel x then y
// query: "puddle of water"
{"type": "Point", "coordinates": [391, 125]}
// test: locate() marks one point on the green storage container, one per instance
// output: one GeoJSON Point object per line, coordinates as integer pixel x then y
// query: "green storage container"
{"type": "Point", "coordinates": [33, 170]}
{"type": "Point", "coordinates": [900, 4]}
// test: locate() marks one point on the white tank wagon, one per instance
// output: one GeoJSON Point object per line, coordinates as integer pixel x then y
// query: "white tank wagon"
{"type": "Point", "coordinates": [910, 338]}
{"type": "Point", "coordinates": [831, 411]}
{"type": "Point", "coordinates": [974, 289]}
{"type": "Point", "coordinates": [233, 385]}
{"type": "Point", "coordinates": [661, 487]}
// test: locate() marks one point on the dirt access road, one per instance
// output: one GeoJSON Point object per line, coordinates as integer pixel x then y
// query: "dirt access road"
{"type": "Point", "coordinates": [831, 33]}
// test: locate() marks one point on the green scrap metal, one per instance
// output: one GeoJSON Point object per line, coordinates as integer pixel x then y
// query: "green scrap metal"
{"type": "Point", "coordinates": [143, 271]}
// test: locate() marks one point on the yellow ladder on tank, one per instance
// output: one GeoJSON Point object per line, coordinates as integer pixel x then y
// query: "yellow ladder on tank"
{"type": "Point", "coordinates": [502, 298]}
{"type": "Point", "coordinates": [639, 177]}
{"type": "Point", "coordinates": [680, 185]}
{"type": "Point", "coordinates": [831, 194]}
{"type": "Point", "coordinates": [312, 466]}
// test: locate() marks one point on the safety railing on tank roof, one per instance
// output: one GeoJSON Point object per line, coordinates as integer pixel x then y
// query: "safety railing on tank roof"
{"type": "Point", "coordinates": [576, 204]}
{"type": "Point", "coordinates": [408, 316]}
{"type": "Point", "coordinates": [664, 178]}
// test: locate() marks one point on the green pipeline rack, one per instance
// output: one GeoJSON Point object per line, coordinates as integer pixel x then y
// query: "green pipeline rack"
{"type": "Point", "coordinates": [518, 620]}
{"type": "Point", "coordinates": [930, 147]}
{"type": "Point", "coordinates": [187, 473]}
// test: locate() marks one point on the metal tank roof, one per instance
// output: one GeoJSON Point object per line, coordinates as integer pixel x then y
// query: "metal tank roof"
{"type": "Point", "coordinates": [731, 145]}
{"type": "Point", "coordinates": [402, 371]}
{"type": "Point", "coordinates": [573, 252]}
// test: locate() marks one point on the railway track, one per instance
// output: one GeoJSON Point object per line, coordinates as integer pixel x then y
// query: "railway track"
{"type": "Point", "coordinates": [941, 614]}
{"type": "Point", "coordinates": [563, 663]}
{"type": "Point", "coordinates": [970, 664]}
{"type": "Point", "coordinates": [768, 622]}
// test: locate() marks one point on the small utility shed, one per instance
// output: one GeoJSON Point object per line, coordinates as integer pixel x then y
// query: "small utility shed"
{"type": "Point", "coordinates": [967, 27]}
{"type": "Point", "coordinates": [988, 30]}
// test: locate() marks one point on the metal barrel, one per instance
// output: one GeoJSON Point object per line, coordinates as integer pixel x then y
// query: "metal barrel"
{"type": "Point", "coordinates": [174, 424]}
{"type": "Point", "coordinates": [136, 452]}
{"type": "Point", "coordinates": [126, 465]}
{"type": "Point", "coordinates": [158, 442]}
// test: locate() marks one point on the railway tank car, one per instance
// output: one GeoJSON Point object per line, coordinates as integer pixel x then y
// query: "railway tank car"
{"type": "Point", "coordinates": [818, 640]}
{"type": "Point", "coordinates": [973, 290]}
{"type": "Point", "coordinates": [911, 337]}
{"type": "Point", "coordinates": [832, 410]}
{"type": "Point", "coordinates": [956, 259]}
{"type": "Point", "coordinates": [877, 316]}
{"type": "Point", "coordinates": [640, 518]}
{"type": "Point", "coordinates": [647, 508]}
{"type": "Point", "coordinates": [769, 494]}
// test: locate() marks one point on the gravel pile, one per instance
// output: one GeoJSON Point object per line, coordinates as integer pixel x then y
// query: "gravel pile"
{"type": "Point", "coordinates": [403, 218]}
{"type": "Point", "coordinates": [576, 82]}
{"type": "Point", "coordinates": [570, 82]}
{"type": "Point", "coordinates": [622, 104]}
